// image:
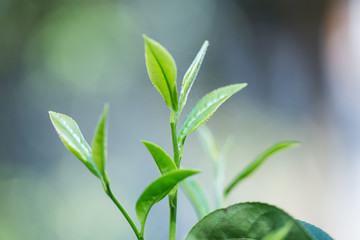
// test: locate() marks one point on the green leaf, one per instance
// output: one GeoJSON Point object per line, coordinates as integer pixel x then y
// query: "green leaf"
{"type": "Point", "coordinates": [205, 108]}
{"type": "Point", "coordinates": [196, 196]}
{"type": "Point", "coordinates": [157, 190]}
{"type": "Point", "coordinates": [315, 232]}
{"type": "Point", "coordinates": [246, 221]}
{"type": "Point", "coordinates": [249, 169]}
{"type": "Point", "coordinates": [191, 74]}
{"type": "Point", "coordinates": [161, 158]}
{"type": "Point", "coordinates": [162, 71]}
{"type": "Point", "coordinates": [73, 139]}
{"type": "Point", "coordinates": [99, 143]}
{"type": "Point", "coordinates": [280, 233]}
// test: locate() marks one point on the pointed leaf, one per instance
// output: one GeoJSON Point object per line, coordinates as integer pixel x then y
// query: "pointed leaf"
{"type": "Point", "coordinates": [280, 233]}
{"type": "Point", "coordinates": [161, 158]}
{"type": "Point", "coordinates": [257, 162]}
{"type": "Point", "coordinates": [205, 108]}
{"type": "Point", "coordinates": [246, 221]}
{"type": "Point", "coordinates": [191, 74]}
{"type": "Point", "coordinates": [73, 139]}
{"type": "Point", "coordinates": [157, 190]}
{"type": "Point", "coordinates": [162, 71]}
{"type": "Point", "coordinates": [315, 232]}
{"type": "Point", "coordinates": [196, 195]}
{"type": "Point", "coordinates": [99, 143]}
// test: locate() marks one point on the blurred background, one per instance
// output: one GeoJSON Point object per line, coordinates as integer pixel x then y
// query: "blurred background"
{"type": "Point", "coordinates": [299, 58]}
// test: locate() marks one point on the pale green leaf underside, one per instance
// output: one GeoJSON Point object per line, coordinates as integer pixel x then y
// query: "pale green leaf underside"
{"type": "Point", "coordinates": [162, 71]}
{"type": "Point", "coordinates": [196, 196]}
{"type": "Point", "coordinates": [279, 234]}
{"type": "Point", "coordinates": [73, 139]}
{"type": "Point", "coordinates": [246, 221]}
{"type": "Point", "coordinates": [99, 143]}
{"type": "Point", "coordinates": [161, 158]}
{"type": "Point", "coordinates": [206, 107]}
{"type": "Point", "coordinates": [191, 74]}
{"type": "Point", "coordinates": [257, 162]}
{"type": "Point", "coordinates": [157, 190]}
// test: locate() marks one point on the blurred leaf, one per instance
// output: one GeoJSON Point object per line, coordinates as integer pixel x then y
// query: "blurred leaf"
{"type": "Point", "coordinates": [161, 158]}
{"type": "Point", "coordinates": [191, 74]}
{"type": "Point", "coordinates": [208, 141]}
{"type": "Point", "coordinates": [245, 221]}
{"type": "Point", "coordinates": [196, 195]}
{"type": "Point", "coordinates": [205, 108]}
{"type": "Point", "coordinates": [280, 233]}
{"type": "Point", "coordinates": [162, 71]}
{"type": "Point", "coordinates": [99, 143]}
{"type": "Point", "coordinates": [316, 232]}
{"type": "Point", "coordinates": [157, 190]}
{"type": "Point", "coordinates": [73, 140]}
{"type": "Point", "coordinates": [249, 169]}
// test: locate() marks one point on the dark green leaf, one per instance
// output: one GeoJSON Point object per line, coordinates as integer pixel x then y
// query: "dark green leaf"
{"type": "Point", "coordinates": [191, 74]}
{"type": "Point", "coordinates": [205, 108]}
{"type": "Point", "coordinates": [257, 162]}
{"type": "Point", "coordinates": [196, 195]}
{"type": "Point", "coordinates": [99, 143]}
{"type": "Point", "coordinates": [246, 221]}
{"type": "Point", "coordinates": [316, 232]}
{"type": "Point", "coordinates": [161, 158]}
{"type": "Point", "coordinates": [157, 190]}
{"type": "Point", "coordinates": [162, 71]}
{"type": "Point", "coordinates": [73, 140]}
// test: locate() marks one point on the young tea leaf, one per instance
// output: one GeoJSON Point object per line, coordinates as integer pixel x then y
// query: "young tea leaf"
{"type": "Point", "coordinates": [246, 221]}
{"type": "Point", "coordinates": [191, 74]}
{"type": "Point", "coordinates": [73, 139]}
{"type": "Point", "coordinates": [162, 71]}
{"type": "Point", "coordinates": [99, 143]}
{"type": "Point", "coordinates": [205, 108]}
{"type": "Point", "coordinates": [196, 195]}
{"type": "Point", "coordinates": [157, 190]}
{"type": "Point", "coordinates": [257, 162]}
{"type": "Point", "coordinates": [161, 158]}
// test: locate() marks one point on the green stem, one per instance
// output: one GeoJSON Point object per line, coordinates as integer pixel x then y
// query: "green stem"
{"type": "Point", "coordinates": [173, 197]}
{"type": "Point", "coordinates": [122, 209]}
{"type": "Point", "coordinates": [173, 212]}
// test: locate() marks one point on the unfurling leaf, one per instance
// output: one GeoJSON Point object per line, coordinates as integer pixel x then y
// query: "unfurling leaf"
{"type": "Point", "coordinates": [257, 162]}
{"type": "Point", "coordinates": [99, 143]}
{"type": "Point", "coordinates": [246, 221]}
{"type": "Point", "coordinates": [196, 196]}
{"type": "Point", "coordinates": [191, 74]}
{"type": "Point", "coordinates": [157, 190]}
{"type": "Point", "coordinates": [73, 139]}
{"type": "Point", "coordinates": [162, 71]}
{"type": "Point", "coordinates": [205, 108]}
{"type": "Point", "coordinates": [161, 158]}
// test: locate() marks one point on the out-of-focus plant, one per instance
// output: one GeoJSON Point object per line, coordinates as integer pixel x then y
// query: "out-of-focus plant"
{"type": "Point", "coordinates": [240, 221]}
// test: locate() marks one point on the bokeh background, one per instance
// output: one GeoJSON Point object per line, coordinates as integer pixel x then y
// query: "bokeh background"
{"type": "Point", "coordinates": [299, 58]}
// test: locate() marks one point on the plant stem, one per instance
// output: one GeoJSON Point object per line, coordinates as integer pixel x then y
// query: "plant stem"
{"type": "Point", "coordinates": [173, 193]}
{"type": "Point", "coordinates": [173, 212]}
{"type": "Point", "coordinates": [122, 209]}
